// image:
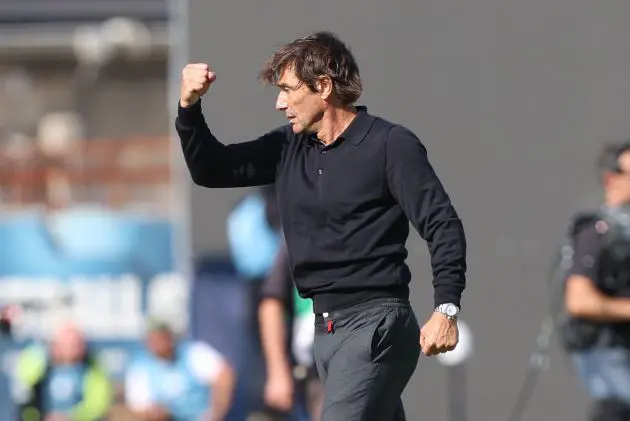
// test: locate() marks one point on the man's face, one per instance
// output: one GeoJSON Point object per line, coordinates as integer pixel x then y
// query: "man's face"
{"type": "Point", "coordinates": [161, 343]}
{"type": "Point", "coordinates": [302, 106]}
{"type": "Point", "coordinates": [618, 184]}
{"type": "Point", "coordinates": [68, 346]}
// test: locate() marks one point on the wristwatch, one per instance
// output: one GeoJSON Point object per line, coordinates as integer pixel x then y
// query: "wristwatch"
{"type": "Point", "coordinates": [451, 311]}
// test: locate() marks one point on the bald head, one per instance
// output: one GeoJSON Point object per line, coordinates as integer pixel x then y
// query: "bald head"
{"type": "Point", "coordinates": [68, 344]}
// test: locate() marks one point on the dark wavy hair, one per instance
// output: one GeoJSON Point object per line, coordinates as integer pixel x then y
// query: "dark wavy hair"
{"type": "Point", "coordinates": [313, 56]}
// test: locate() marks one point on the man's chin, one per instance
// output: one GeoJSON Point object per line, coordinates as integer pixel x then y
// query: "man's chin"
{"type": "Point", "coordinates": [297, 128]}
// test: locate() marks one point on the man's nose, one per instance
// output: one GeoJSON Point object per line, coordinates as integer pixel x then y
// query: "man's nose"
{"type": "Point", "coordinates": [281, 102]}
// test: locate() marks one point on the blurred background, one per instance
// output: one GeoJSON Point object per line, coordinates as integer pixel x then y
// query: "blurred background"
{"type": "Point", "coordinates": [101, 229]}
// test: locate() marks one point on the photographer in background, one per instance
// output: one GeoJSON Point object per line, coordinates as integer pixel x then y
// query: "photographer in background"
{"type": "Point", "coordinates": [596, 332]}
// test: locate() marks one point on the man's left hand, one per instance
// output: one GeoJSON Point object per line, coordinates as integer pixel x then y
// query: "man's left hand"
{"type": "Point", "coordinates": [439, 334]}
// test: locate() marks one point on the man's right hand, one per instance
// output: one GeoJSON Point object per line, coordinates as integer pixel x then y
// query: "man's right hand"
{"type": "Point", "coordinates": [196, 79]}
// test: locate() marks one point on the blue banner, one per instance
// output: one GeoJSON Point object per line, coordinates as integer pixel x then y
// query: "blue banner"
{"type": "Point", "coordinates": [102, 269]}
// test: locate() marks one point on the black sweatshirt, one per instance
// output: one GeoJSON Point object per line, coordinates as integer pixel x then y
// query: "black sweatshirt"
{"type": "Point", "coordinates": [345, 208]}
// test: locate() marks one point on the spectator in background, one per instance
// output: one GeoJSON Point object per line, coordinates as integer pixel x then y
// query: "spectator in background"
{"type": "Point", "coordinates": [287, 331]}
{"type": "Point", "coordinates": [260, 255]}
{"type": "Point", "coordinates": [64, 381]}
{"type": "Point", "coordinates": [596, 327]}
{"type": "Point", "coordinates": [253, 229]}
{"type": "Point", "coordinates": [178, 380]}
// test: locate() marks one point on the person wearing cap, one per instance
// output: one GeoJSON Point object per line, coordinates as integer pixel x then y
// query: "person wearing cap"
{"type": "Point", "coordinates": [178, 380]}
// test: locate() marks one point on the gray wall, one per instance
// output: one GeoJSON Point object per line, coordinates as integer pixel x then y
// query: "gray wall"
{"type": "Point", "coordinates": [512, 100]}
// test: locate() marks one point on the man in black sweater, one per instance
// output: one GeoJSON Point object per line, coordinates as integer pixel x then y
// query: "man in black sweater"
{"type": "Point", "coordinates": [348, 183]}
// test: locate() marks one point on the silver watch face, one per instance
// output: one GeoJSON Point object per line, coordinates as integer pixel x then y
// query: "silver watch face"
{"type": "Point", "coordinates": [450, 310]}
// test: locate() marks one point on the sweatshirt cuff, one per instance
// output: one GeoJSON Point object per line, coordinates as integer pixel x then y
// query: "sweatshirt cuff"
{"type": "Point", "coordinates": [443, 294]}
{"type": "Point", "coordinates": [191, 115]}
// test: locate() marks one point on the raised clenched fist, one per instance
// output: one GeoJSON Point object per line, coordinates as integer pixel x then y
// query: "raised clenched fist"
{"type": "Point", "coordinates": [196, 79]}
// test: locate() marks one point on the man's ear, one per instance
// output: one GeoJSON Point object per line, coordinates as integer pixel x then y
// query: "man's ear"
{"type": "Point", "coordinates": [607, 178]}
{"type": "Point", "coordinates": [325, 87]}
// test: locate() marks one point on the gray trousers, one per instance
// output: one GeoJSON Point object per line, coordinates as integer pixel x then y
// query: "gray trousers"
{"type": "Point", "coordinates": [365, 356]}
